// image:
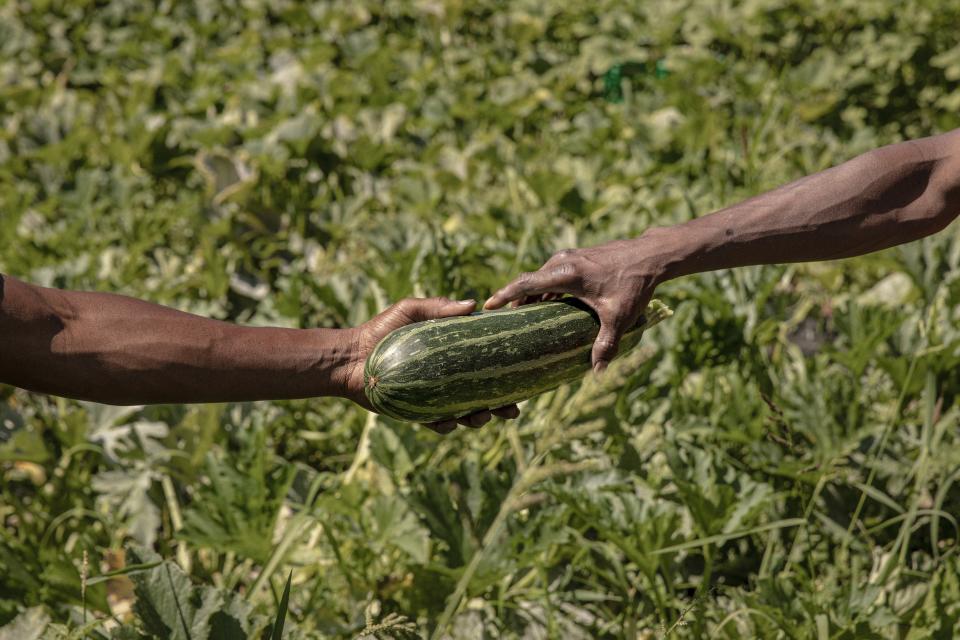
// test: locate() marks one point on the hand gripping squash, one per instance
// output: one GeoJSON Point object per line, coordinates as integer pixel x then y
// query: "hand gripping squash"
{"type": "Point", "coordinates": [451, 367]}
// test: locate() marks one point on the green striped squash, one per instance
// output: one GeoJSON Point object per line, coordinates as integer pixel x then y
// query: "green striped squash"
{"type": "Point", "coordinates": [452, 367]}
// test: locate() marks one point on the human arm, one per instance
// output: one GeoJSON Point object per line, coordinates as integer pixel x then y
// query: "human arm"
{"type": "Point", "coordinates": [888, 196]}
{"type": "Point", "coordinates": [119, 350]}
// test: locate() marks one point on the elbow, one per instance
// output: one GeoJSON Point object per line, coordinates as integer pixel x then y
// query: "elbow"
{"type": "Point", "coordinates": [945, 208]}
{"type": "Point", "coordinates": [935, 223]}
{"type": "Point", "coordinates": [932, 213]}
{"type": "Point", "coordinates": [940, 203]}
{"type": "Point", "coordinates": [941, 221]}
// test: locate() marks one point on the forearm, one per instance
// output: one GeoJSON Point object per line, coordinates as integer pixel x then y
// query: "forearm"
{"type": "Point", "coordinates": [119, 350]}
{"type": "Point", "coordinates": [886, 197]}
{"type": "Point", "coordinates": [883, 198]}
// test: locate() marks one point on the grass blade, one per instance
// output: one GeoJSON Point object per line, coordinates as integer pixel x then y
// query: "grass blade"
{"type": "Point", "coordinates": [133, 568]}
{"type": "Point", "coordinates": [724, 537]}
{"type": "Point", "coordinates": [282, 611]}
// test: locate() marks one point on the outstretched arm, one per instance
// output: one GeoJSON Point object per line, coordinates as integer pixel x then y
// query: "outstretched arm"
{"type": "Point", "coordinates": [119, 350]}
{"type": "Point", "coordinates": [882, 198]}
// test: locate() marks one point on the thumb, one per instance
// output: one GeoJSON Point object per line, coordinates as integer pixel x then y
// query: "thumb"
{"type": "Point", "coordinates": [419, 309]}
{"type": "Point", "coordinates": [605, 346]}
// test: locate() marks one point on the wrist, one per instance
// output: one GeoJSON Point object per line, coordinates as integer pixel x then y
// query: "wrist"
{"type": "Point", "coordinates": [338, 361]}
{"type": "Point", "coordinates": [673, 251]}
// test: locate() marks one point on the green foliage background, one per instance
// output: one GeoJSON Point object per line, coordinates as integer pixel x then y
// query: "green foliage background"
{"type": "Point", "coordinates": [778, 461]}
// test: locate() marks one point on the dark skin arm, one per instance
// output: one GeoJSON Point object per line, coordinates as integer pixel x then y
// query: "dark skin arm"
{"type": "Point", "coordinates": [119, 350]}
{"type": "Point", "coordinates": [886, 197]}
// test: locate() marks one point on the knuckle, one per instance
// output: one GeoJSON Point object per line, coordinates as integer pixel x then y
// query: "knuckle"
{"type": "Point", "coordinates": [398, 308]}
{"type": "Point", "coordinates": [523, 281]}
{"type": "Point", "coordinates": [607, 353]}
{"type": "Point", "coordinates": [614, 311]}
{"type": "Point", "coordinates": [605, 307]}
{"type": "Point", "coordinates": [564, 270]}
{"type": "Point", "coordinates": [606, 341]}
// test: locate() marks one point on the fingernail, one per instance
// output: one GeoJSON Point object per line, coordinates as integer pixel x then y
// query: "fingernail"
{"type": "Point", "coordinates": [599, 367]}
{"type": "Point", "coordinates": [466, 302]}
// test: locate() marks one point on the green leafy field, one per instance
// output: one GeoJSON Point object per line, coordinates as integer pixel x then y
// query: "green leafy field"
{"type": "Point", "coordinates": [778, 460]}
